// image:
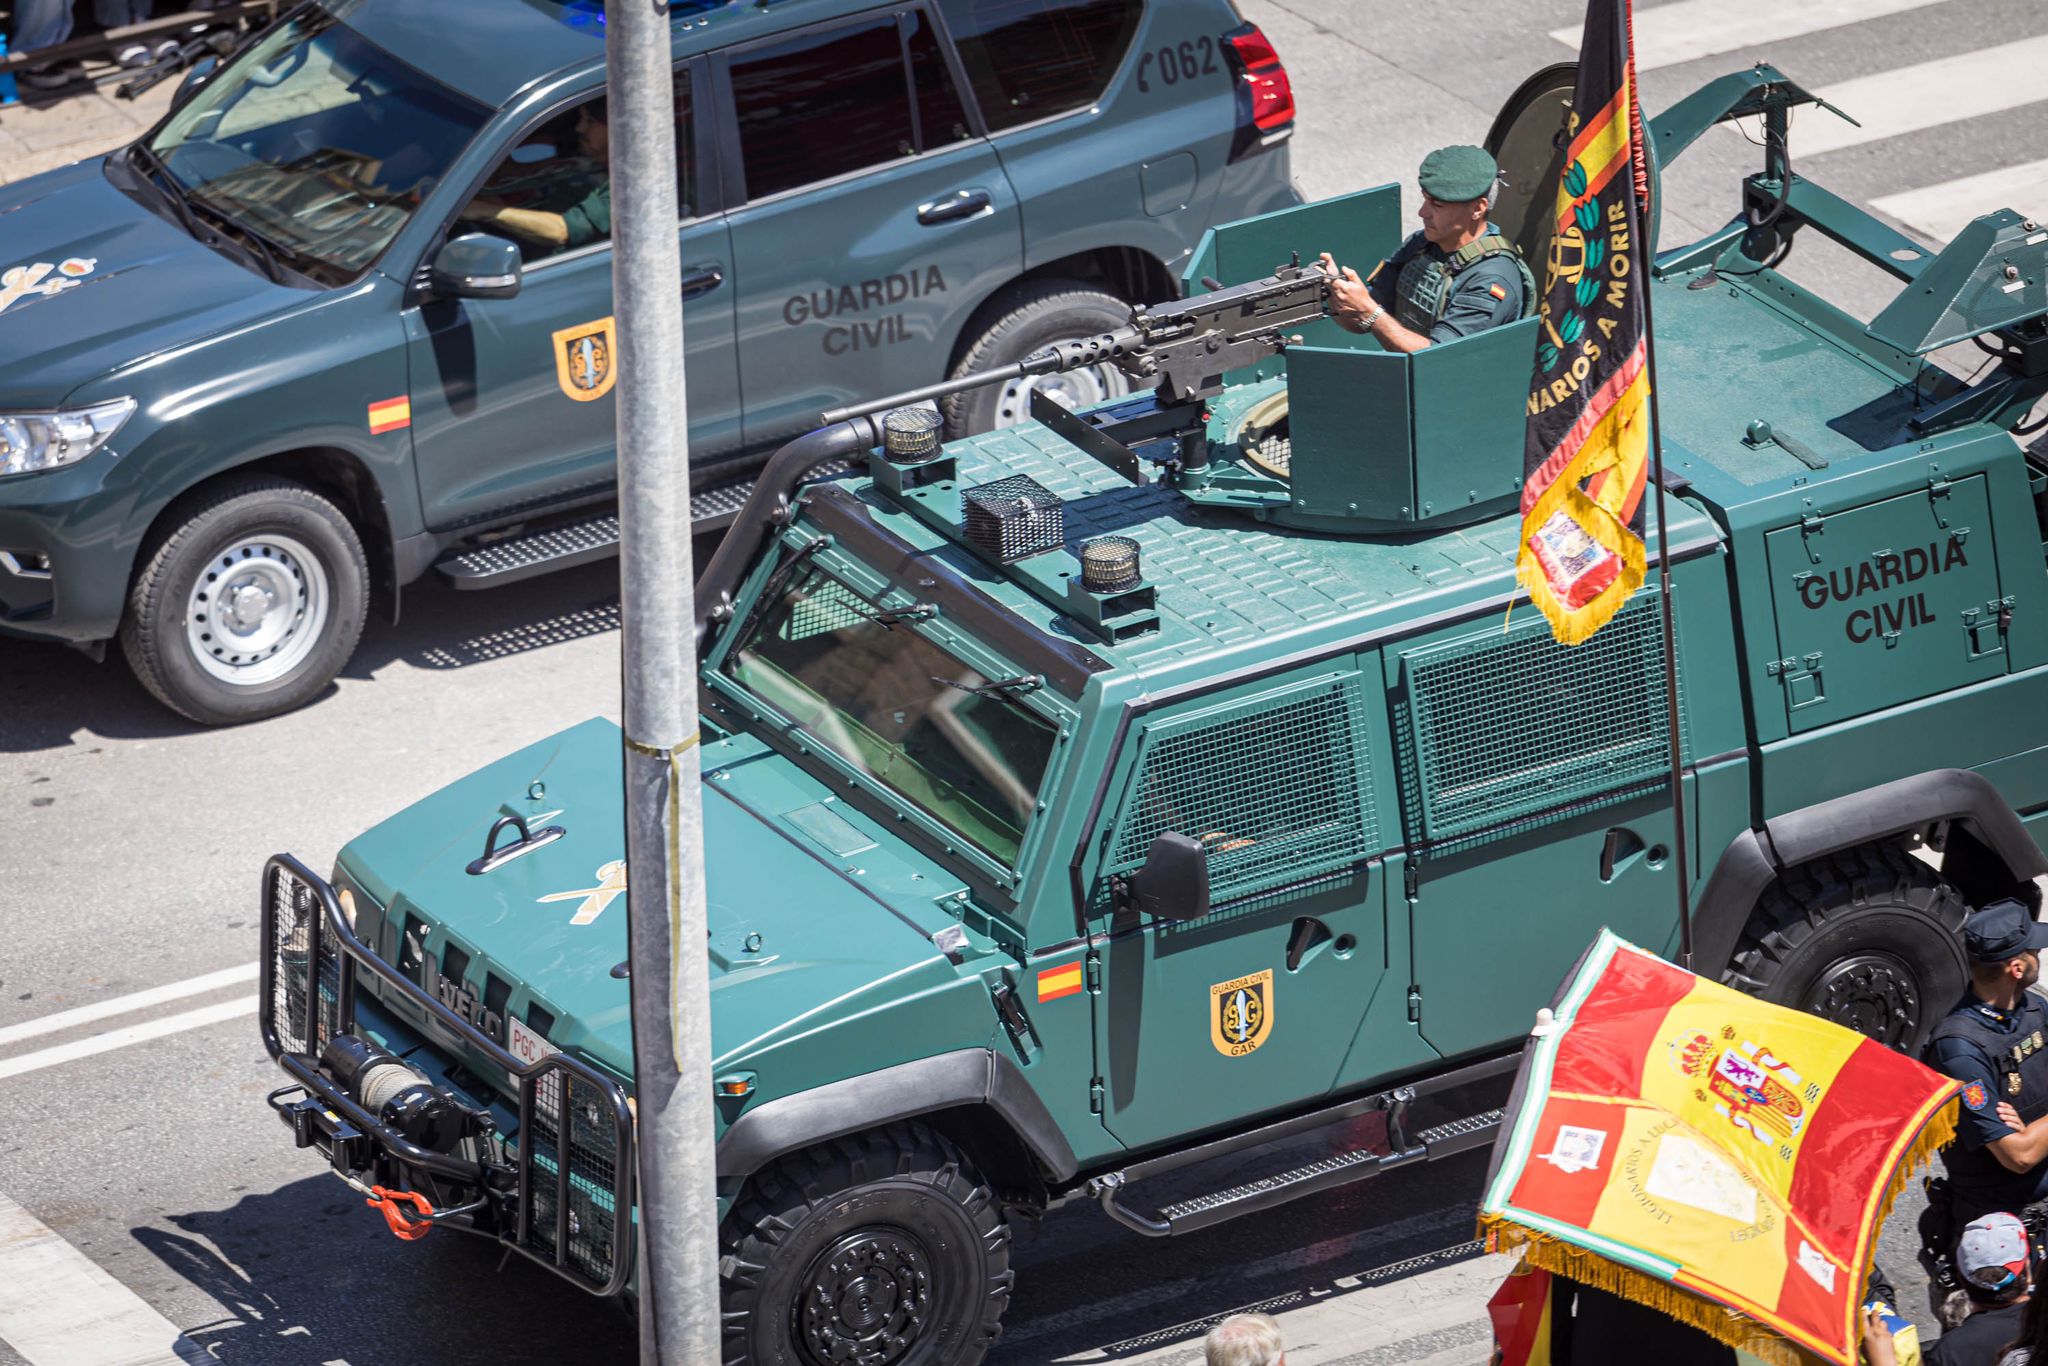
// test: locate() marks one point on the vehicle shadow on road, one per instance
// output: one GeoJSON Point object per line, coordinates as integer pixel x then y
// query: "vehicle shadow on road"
{"type": "Point", "coordinates": [305, 1275]}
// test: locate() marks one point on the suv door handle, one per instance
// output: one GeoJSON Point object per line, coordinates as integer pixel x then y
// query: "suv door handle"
{"type": "Point", "coordinates": [960, 204]}
{"type": "Point", "coordinates": [702, 280]}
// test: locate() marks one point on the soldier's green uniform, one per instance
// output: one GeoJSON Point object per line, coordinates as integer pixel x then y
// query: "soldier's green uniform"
{"type": "Point", "coordinates": [1448, 295]}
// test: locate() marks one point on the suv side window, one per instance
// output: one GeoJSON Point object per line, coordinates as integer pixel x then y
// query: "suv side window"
{"type": "Point", "coordinates": [553, 191]}
{"type": "Point", "coordinates": [1029, 59]}
{"type": "Point", "coordinates": [828, 103]}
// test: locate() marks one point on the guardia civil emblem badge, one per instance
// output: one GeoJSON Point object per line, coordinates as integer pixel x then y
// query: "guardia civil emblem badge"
{"type": "Point", "coordinates": [1241, 1014]}
{"type": "Point", "coordinates": [584, 360]}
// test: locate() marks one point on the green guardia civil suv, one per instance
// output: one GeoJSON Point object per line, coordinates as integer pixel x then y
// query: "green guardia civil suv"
{"type": "Point", "coordinates": [1167, 789]}
{"type": "Point", "coordinates": [343, 317]}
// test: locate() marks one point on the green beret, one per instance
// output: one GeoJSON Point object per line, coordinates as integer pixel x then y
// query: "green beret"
{"type": "Point", "coordinates": [1456, 174]}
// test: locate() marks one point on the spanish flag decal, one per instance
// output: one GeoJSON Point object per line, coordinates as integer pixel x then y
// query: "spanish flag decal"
{"type": "Point", "coordinates": [390, 415]}
{"type": "Point", "coordinates": [1054, 983]}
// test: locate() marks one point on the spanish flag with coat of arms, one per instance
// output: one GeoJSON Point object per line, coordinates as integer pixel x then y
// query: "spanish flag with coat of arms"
{"type": "Point", "coordinates": [1586, 454]}
{"type": "Point", "coordinates": [1722, 1160]}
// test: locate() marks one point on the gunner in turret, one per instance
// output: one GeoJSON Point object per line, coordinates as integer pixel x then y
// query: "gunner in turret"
{"type": "Point", "coordinates": [1455, 277]}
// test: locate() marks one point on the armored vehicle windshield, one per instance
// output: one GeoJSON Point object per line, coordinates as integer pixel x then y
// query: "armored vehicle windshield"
{"type": "Point", "coordinates": [897, 706]}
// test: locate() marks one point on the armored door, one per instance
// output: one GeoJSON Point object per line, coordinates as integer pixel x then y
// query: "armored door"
{"type": "Point", "coordinates": [1248, 1008]}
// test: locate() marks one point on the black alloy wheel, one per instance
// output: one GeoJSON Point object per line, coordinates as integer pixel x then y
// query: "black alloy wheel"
{"type": "Point", "coordinates": [879, 1249]}
{"type": "Point", "coordinates": [1870, 938]}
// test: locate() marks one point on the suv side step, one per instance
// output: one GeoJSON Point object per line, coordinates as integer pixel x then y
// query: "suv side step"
{"type": "Point", "coordinates": [564, 545]}
{"type": "Point", "coordinates": [1325, 1173]}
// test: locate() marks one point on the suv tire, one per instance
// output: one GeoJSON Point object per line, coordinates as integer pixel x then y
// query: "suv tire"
{"type": "Point", "coordinates": [248, 604]}
{"type": "Point", "coordinates": [879, 1249]}
{"type": "Point", "coordinates": [1025, 321]}
{"type": "Point", "coordinates": [1868, 937]}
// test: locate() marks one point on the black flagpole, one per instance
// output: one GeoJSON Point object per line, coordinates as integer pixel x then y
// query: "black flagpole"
{"type": "Point", "coordinates": [1679, 843]}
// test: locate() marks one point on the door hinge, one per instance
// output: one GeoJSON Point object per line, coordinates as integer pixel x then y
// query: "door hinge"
{"type": "Point", "coordinates": [1415, 1004]}
{"type": "Point", "coordinates": [1095, 1095]}
{"type": "Point", "coordinates": [1937, 489]}
{"type": "Point", "coordinates": [1409, 881]}
{"type": "Point", "coordinates": [1092, 971]}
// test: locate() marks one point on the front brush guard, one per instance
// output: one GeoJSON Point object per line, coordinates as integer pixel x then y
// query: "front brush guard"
{"type": "Point", "coordinates": [327, 1116]}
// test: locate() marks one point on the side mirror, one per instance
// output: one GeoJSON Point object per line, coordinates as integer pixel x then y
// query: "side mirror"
{"type": "Point", "coordinates": [198, 74]}
{"type": "Point", "coordinates": [475, 265]}
{"type": "Point", "coordinates": [1173, 884]}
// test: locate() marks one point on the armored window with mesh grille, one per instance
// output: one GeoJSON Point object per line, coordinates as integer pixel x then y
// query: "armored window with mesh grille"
{"type": "Point", "coordinates": [1276, 787]}
{"type": "Point", "coordinates": [1513, 729]}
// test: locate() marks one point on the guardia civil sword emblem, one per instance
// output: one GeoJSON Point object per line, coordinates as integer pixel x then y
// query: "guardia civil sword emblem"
{"type": "Point", "coordinates": [583, 360]}
{"type": "Point", "coordinates": [1241, 1014]}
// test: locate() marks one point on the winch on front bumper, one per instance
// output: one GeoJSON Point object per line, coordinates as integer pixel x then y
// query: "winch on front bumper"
{"type": "Point", "coordinates": [395, 1134]}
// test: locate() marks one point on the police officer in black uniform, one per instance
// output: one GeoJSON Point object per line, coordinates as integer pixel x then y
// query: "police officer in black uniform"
{"type": "Point", "coordinates": [1995, 1042]}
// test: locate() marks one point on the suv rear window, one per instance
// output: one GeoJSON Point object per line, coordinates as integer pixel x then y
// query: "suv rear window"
{"type": "Point", "coordinates": [1029, 59]}
{"type": "Point", "coordinates": [828, 103]}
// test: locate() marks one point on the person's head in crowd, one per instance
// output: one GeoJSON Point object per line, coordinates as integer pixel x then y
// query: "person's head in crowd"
{"type": "Point", "coordinates": [1244, 1340]}
{"type": "Point", "coordinates": [1992, 1257]}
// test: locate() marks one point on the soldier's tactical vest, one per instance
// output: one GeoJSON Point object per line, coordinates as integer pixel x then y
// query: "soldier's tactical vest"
{"type": "Point", "coordinates": [2020, 1065]}
{"type": "Point", "coordinates": [1423, 291]}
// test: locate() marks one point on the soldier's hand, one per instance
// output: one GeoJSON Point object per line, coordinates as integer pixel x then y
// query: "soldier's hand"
{"type": "Point", "coordinates": [1347, 292]}
{"type": "Point", "coordinates": [2009, 1116]}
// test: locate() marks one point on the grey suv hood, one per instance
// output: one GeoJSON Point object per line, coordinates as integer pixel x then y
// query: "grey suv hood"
{"type": "Point", "coordinates": [103, 281]}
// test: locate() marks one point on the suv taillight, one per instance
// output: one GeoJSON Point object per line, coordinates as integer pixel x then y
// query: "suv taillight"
{"type": "Point", "coordinates": [1265, 101]}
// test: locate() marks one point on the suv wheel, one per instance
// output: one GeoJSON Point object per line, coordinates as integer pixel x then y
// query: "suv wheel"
{"type": "Point", "coordinates": [879, 1249]}
{"type": "Point", "coordinates": [1032, 318]}
{"type": "Point", "coordinates": [249, 604]}
{"type": "Point", "coordinates": [1870, 938]}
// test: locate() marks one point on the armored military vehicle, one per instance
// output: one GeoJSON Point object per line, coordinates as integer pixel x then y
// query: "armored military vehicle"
{"type": "Point", "coordinates": [1163, 797]}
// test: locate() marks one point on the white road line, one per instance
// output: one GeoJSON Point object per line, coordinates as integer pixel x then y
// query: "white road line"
{"type": "Point", "coordinates": [121, 1038]}
{"type": "Point", "coordinates": [1941, 211]}
{"type": "Point", "coordinates": [61, 1309]}
{"type": "Point", "coordinates": [121, 1005]}
{"type": "Point", "coordinates": [1911, 99]}
{"type": "Point", "coordinates": [1691, 29]}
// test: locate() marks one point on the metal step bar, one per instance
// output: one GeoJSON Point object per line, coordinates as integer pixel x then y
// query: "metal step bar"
{"type": "Point", "coordinates": [1340, 1169]}
{"type": "Point", "coordinates": [568, 544]}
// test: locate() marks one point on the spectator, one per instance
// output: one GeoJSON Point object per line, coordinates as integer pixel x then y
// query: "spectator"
{"type": "Point", "coordinates": [1993, 1256]}
{"type": "Point", "coordinates": [40, 24]}
{"type": "Point", "coordinates": [1244, 1340]}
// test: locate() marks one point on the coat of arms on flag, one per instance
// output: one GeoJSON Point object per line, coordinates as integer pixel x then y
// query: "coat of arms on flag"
{"type": "Point", "coordinates": [1587, 448]}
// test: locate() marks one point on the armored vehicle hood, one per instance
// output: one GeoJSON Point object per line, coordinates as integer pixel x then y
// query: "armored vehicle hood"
{"type": "Point", "coordinates": [104, 283]}
{"type": "Point", "coordinates": [795, 941]}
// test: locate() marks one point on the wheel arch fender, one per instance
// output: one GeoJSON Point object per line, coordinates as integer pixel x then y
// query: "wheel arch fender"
{"type": "Point", "coordinates": [1990, 844]}
{"type": "Point", "coordinates": [974, 1087]}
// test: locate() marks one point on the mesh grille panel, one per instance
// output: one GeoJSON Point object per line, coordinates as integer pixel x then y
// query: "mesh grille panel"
{"type": "Point", "coordinates": [1275, 787]}
{"type": "Point", "coordinates": [593, 1176]}
{"type": "Point", "coordinates": [825, 607]}
{"type": "Point", "coordinates": [295, 910]}
{"type": "Point", "coordinates": [1517, 727]}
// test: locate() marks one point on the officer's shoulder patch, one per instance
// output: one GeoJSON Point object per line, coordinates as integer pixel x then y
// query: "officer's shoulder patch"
{"type": "Point", "coordinates": [1975, 1096]}
{"type": "Point", "coordinates": [1496, 291]}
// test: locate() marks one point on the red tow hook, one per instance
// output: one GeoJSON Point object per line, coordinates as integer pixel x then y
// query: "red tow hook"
{"type": "Point", "coordinates": [388, 1201]}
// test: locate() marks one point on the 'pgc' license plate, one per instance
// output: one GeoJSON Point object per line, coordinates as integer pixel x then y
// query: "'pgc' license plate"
{"type": "Point", "coordinates": [524, 1044]}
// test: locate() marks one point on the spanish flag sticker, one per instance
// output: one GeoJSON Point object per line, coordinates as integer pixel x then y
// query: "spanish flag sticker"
{"type": "Point", "coordinates": [1054, 983]}
{"type": "Point", "coordinates": [1496, 291]}
{"type": "Point", "coordinates": [390, 415]}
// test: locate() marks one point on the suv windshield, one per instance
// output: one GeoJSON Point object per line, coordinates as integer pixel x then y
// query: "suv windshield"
{"type": "Point", "coordinates": [319, 143]}
{"type": "Point", "coordinates": [859, 680]}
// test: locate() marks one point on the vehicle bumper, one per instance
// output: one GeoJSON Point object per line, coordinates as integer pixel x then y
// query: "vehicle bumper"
{"type": "Point", "coordinates": [574, 1217]}
{"type": "Point", "coordinates": [65, 552]}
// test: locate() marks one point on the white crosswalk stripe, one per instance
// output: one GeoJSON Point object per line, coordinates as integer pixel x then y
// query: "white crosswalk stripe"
{"type": "Point", "coordinates": [1690, 29]}
{"type": "Point", "coordinates": [1941, 211]}
{"type": "Point", "coordinates": [1911, 99]}
{"type": "Point", "coordinates": [61, 1309]}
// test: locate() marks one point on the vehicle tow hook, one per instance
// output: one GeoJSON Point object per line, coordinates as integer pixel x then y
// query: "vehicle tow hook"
{"type": "Point", "coordinates": [388, 1201]}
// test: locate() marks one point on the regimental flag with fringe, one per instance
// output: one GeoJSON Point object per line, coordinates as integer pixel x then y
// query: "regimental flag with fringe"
{"type": "Point", "coordinates": [1585, 457]}
{"type": "Point", "coordinates": [1719, 1159]}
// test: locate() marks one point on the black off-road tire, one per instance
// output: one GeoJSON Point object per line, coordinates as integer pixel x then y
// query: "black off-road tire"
{"type": "Point", "coordinates": [831, 1249]}
{"type": "Point", "coordinates": [221, 531]}
{"type": "Point", "coordinates": [1030, 318]}
{"type": "Point", "coordinates": [1870, 937]}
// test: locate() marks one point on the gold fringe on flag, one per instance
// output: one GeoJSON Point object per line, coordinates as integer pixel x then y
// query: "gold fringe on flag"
{"type": "Point", "coordinates": [1717, 1321]}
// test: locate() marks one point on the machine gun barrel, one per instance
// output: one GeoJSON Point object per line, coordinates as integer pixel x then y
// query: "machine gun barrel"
{"type": "Point", "coordinates": [1185, 346]}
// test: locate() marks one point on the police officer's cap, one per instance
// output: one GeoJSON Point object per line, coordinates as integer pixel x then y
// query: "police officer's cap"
{"type": "Point", "coordinates": [1457, 174]}
{"type": "Point", "coordinates": [2001, 931]}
